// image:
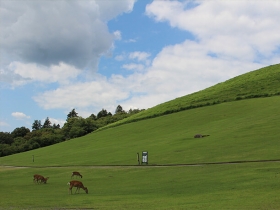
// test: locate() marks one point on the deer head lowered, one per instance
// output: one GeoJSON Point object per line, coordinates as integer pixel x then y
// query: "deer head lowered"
{"type": "Point", "coordinates": [40, 179]}
{"type": "Point", "coordinates": [78, 185]}
{"type": "Point", "coordinates": [76, 173]}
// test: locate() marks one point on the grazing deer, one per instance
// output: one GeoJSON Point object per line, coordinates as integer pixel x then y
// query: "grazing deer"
{"type": "Point", "coordinates": [200, 136]}
{"type": "Point", "coordinates": [40, 179]}
{"type": "Point", "coordinates": [78, 185]}
{"type": "Point", "coordinates": [76, 173]}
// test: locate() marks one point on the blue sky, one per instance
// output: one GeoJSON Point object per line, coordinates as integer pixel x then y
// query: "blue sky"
{"type": "Point", "coordinates": [89, 55]}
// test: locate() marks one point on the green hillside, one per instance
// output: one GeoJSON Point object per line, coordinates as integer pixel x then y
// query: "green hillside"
{"type": "Point", "coordinates": [245, 130]}
{"type": "Point", "coordinates": [239, 127]}
{"type": "Point", "coordinates": [239, 130]}
{"type": "Point", "coordinates": [263, 82]}
{"type": "Point", "coordinates": [183, 172]}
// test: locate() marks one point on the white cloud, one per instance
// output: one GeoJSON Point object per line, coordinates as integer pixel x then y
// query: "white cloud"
{"type": "Point", "coordinates": [187, 68]}
{"type": "Point", "coordinates": [110, 9]}
{"type": "Point", "coordinates": [118, 35]}
{"type": "Point", "coordinates": [133, 66]}
{"type": "Point", "coordinates": [20, 115]}
{"type": "Point", "coordinates": [120, 57]}
{"type": "Point", "coordinates": [48, 33]}
{"type": "Point", "coordinates": [137, 56]}
{"type": "Point", "coordinates": [231, 29]}
{"type": "Point", "coordinates": [9, 77]}
{"type": "Point", "coordinates": [140, 56]}
{"type": "Point", "coordinates": [31, 72]}
{"type": "Point", "coordinates": [231, 38]}
{"type": "Point", "coordinates": [81, 95]}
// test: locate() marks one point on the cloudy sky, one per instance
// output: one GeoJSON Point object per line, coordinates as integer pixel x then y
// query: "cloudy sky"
{"type": "Point", "coordinates": [57, 55]}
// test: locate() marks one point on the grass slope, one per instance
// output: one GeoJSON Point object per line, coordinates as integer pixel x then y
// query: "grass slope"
{"type": "Point", "coordinates": [239, 130]}
{"type": "Point", "coordinates": [263, 82]}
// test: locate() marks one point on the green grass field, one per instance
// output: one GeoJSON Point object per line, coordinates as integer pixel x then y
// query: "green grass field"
{"type": "Point", "coordinates": [240, 131]}
{"type": "Point", "coordinates": [232, 186]}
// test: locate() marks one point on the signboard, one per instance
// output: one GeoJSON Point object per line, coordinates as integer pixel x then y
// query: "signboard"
{"type": "Point", "coordinates": [145, 157]}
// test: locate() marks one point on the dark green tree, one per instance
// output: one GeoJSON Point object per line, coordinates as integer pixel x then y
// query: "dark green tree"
{"type": "Point", "coordinates": [6, 138]}
{"type": "Point", "coordinates": [36, 125]}
{"type": "Point", "coordinates": [102, 113]}
{"type": "Point", "coordinates": [6, 149]}
{"type": "Point", "coordinates": [56, 126]}
{"type": "Point", "coordinates": [72, 123]}
{"type": "Point", "coordinates": [20, 132]}
{"type": "Point", "coordinates": [47, 123]}
{"type": "Point", "coordinates": [93, 117]}
{"type": "Point", "coordinates": [76, 131]}
{"type": "Point", "coordinates": [18, 144]}
{"type": "Point", "coordinates": [119, 109]}
{"type": "Point", "coordinates": [72, 114]}
{"type": "Point", "coordinates": [90, 125]}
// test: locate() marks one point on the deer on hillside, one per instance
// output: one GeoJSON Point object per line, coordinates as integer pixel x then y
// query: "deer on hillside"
{"type": "Point", "coordinates": [76, 173]}
{"type": "Point", "coordinates": [78, 185]}
{"type": "Point", "coordinates": [200, 136]}
{"type": "Point", "coordinates": [40, 179]}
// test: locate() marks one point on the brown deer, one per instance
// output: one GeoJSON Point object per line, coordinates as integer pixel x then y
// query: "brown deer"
{"type": "Point", "coordinates": [78, 185]}
{"type": "Point", "coordinates": [40, 179]}
{"type": "Point", "coordinates": [200, 136]}
{"type": "Point", "coordinates": [76, 173]}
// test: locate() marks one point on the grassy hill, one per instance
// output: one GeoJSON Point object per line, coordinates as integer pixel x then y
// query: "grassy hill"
{"type": "Point", "coordinates": [263, 82]}
{"type": "Point", "coordinates": [240, 130]}
{"type": "Point", "coordinates": [245, 130]}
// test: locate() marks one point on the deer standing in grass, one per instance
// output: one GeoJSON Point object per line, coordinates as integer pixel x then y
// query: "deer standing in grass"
{"type": "Point", "coordinates": [200, 136]}
{"type": "Point", "coordinates": [40, 179]}
{"type": "Point", "coordinates": [76, 173]}
{"type": "Point", "coordinates": [78, 185]}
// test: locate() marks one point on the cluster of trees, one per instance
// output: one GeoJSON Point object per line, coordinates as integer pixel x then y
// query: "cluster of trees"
{"type": "Point", "coordinates": [22, 139]}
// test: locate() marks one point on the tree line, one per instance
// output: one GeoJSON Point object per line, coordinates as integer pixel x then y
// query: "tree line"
{"type": "Point", "coordinates": [44, 134]}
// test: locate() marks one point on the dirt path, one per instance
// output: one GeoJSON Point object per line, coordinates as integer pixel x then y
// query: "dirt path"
{"type": "Point", "coordinates": [144, 166]}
